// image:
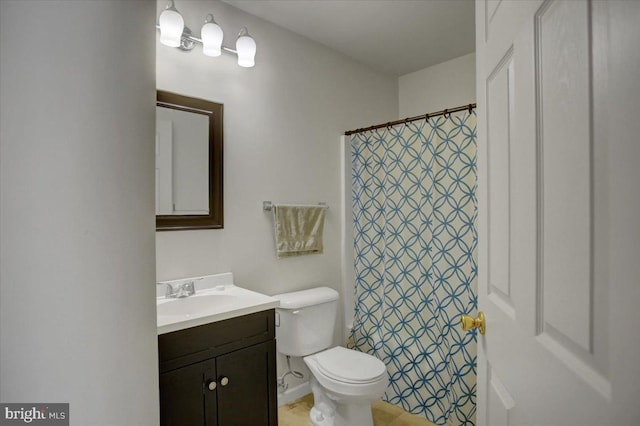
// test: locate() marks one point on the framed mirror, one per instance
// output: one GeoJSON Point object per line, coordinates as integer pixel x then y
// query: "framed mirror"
{"type": "Point", "coordinates": [188, 163]}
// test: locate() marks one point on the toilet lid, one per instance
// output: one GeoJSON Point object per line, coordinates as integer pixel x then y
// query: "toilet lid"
{"type": "Point", "coordinates": [350, 366]}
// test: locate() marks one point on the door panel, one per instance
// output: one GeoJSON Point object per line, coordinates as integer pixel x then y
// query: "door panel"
{"type": "Point", "coordinates": [500, 410]}
{"type": "Point", "coordinates": [564, 172]}
{"type": "Point", "coordinates": [499, 91]}
{"type": "Point", "coordinates": [183, 398]}
{"type": "Point", "coordinates": [245, 400]}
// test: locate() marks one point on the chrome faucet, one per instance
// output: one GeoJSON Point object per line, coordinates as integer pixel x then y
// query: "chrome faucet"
{"type": "Point", "coordinates": [181, 290]}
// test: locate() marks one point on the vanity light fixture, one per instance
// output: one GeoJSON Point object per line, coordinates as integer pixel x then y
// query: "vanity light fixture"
{"type": "Point", "coordinates": [174, 33]}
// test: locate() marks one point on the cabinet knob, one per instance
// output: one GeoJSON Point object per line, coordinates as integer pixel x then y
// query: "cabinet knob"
{"type": "Point", "coordinates": [212, 385]}
{"type": "Point", "coordinates": [224, 381]}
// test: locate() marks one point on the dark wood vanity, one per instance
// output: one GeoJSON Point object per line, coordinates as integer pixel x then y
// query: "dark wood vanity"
{"type": "Point", "coordinates": [222, 373]}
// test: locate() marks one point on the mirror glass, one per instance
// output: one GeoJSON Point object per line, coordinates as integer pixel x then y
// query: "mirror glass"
{"type": "Point", "coordinates": [188, 163]}
{"type": "Point", "coordinates": [182, 166]}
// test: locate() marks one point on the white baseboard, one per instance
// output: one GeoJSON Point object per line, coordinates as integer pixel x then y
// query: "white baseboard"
{"type": "Point", "coordinates": [294, 393]}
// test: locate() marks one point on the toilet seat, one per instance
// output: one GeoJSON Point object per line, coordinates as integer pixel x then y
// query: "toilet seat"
{"type": "Point", "coordinates": [349, 366]}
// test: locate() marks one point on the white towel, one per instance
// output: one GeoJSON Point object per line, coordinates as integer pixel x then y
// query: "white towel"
{"type": "Point", "coordinates": [298, 229]}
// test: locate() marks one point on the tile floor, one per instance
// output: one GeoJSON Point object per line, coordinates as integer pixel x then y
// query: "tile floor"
{"type": "Point", "coordinates": [296, 413]}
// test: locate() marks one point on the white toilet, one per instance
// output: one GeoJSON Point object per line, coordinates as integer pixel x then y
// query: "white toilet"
{"type": "Point", "coordinates": [344, 382]}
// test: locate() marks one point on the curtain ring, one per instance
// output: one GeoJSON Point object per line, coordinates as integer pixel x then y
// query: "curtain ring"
{"type": "Point", "coordinates": [426, 117]}
{"type": "Point", "coordinates": [446, 114]}
{"type": "Point", "coordinates": [389, 126]}
{"type": "Point", "coordinates": [470, 108]}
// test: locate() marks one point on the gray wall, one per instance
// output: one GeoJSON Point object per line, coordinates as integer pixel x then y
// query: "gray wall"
{"type": "Point", "coordinates": [77, 261]}
{"type": "Point", "coordinates": [282, 125]}
{"type": "Point", "coordinates": [445, 85]}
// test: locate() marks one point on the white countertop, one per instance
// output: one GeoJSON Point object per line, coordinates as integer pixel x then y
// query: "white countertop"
{"type": "Point", "coordinates": [216, 299]}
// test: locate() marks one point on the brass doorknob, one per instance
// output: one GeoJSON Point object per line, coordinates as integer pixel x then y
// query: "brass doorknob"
{"type": "Point", "coordinates": [469, 323]}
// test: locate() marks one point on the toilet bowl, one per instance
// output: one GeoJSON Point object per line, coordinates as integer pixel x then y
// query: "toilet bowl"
{"type": "Point", "coordinates": [344, 382]}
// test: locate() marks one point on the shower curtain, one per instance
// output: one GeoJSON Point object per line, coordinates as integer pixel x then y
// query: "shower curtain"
{"type": "Point", "coordinates": [414, 200]}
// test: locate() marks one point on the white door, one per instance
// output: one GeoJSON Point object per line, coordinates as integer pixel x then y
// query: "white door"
{"type": "Point", "coordinates": [559, 212]}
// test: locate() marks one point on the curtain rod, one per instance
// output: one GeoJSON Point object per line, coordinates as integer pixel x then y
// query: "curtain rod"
{"type": "Point", "coordinates": [410, 119]}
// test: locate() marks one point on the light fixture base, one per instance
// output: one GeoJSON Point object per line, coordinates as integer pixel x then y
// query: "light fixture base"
{"type": "Point", "coordinates": [186, 40]}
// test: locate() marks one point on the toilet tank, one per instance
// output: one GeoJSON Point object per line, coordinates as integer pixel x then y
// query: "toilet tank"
{"type": "Point", "coordinates": [305, 321]}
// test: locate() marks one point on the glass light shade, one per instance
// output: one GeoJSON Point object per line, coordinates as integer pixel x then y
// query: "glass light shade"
{"type": "Point", "coordinates": [246, 48]}
{"type": "Point", "coordinates": [171, 26]}
{"type": "Point", "coordinates": [212, 35]}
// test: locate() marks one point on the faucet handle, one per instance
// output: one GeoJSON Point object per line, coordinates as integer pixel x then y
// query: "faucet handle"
{"type": "Point", "coordinates": [171, 292]}
{"type": "Point", "coordinates": [184, 289]}
{"type": "Point", "coordinates": [189, 288]}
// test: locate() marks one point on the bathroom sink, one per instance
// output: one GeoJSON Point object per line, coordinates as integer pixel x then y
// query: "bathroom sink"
{"type": "Point", "coordinates": [216, 298]}
{"type": "Point", "coordinates": [194, 304]}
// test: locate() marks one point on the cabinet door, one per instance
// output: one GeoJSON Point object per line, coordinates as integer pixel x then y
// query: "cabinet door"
{"type": "Point", "coordinates": [185, 398]}
{"type": "Point", "coordinates": [249, 397]}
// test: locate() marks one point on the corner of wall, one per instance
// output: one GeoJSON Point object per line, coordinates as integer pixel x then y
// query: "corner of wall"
{"type": "Point", "coordinates": [444, 85]}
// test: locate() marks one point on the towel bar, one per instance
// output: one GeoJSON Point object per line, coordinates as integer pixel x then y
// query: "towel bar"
{"type": "Point", "coordinates": [267, 206]}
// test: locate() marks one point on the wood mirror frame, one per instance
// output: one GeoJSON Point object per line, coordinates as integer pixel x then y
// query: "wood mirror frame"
{"type": "Point", "coordinates": [213, 110]}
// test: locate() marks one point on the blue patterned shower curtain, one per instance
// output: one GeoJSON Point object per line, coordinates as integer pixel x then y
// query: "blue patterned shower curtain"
{"type": "Point", "coordinates": [414, 192]}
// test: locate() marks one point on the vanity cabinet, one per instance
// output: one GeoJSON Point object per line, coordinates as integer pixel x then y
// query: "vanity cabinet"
{"type": "Point", "coordinates": [223, 373]}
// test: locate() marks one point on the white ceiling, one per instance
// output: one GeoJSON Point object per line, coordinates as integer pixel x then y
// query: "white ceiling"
{"type": "Point", "coordinates": [391, 36]}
